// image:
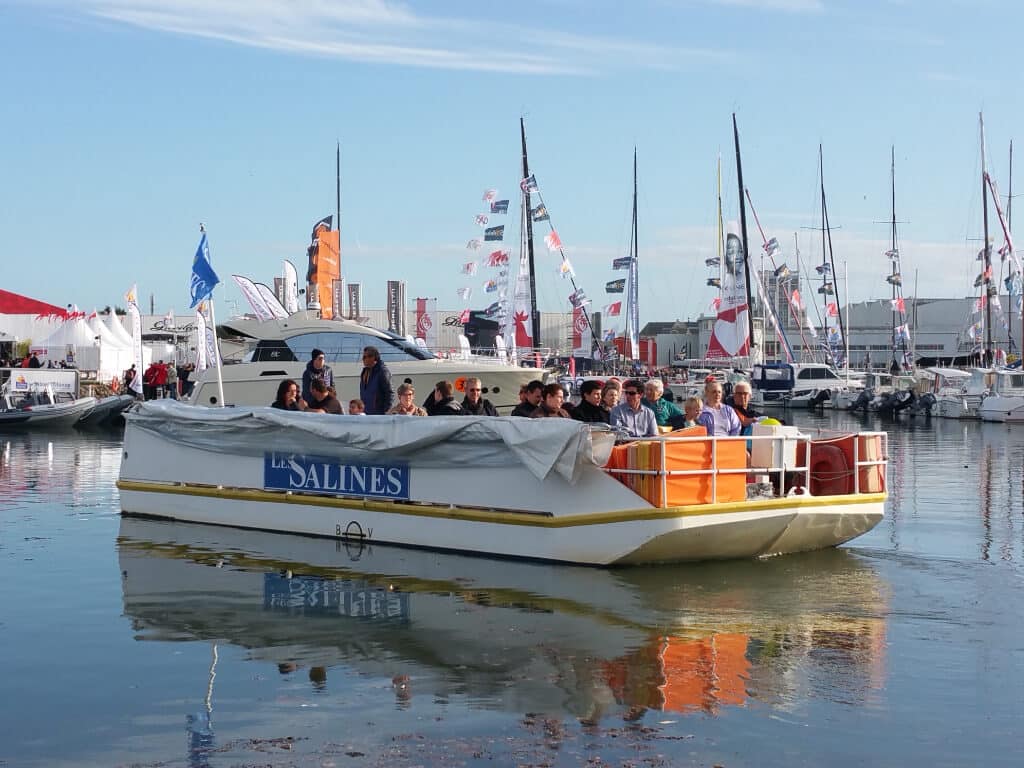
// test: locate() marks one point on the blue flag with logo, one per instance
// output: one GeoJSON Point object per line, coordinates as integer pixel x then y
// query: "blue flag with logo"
{"type": "Point", "coordinates": [203, 276]}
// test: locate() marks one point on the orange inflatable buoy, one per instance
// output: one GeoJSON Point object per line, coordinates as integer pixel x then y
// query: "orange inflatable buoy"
{"type": "Point", "coordinates": [115, 384]}
{"type": "Point", "coordinates": [460, 384]}
{"type": "Point", "coordinates": [830, 472]}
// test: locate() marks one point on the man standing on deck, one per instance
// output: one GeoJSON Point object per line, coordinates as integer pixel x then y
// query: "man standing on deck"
{"type": "Point", "coordinates": [316, 369]}
{"type": "Point", "coordinates": [375, 383]}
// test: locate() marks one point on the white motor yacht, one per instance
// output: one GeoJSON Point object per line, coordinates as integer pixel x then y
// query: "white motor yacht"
{"type": "Point", "coordinates": [1005, 403]}
{"type": "Point", "coordinates": [280, 349]}
{"type": "Point", "coordinates": [798, 385]}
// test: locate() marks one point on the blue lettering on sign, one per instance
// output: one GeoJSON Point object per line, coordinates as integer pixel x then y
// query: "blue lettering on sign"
{"type": "Point", "coordinates": [319, 474]}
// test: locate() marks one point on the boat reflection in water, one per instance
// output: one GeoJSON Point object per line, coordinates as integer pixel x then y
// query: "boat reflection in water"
{"type": "Point", "coordinates": [517, 636]}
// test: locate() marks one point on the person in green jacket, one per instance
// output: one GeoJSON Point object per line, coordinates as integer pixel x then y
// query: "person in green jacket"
{"type": "Point", "coordinates": [667, 414]}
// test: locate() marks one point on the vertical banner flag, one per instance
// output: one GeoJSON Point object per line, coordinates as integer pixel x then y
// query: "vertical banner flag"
{"type": "Point", "coordinates": [426, 328]}
{"type": "Point", "coordinates": [273, 303]}
{"type": "Point", "coordinates": [396, 307]}
{"type": "Point", "coordinates": [730, 336]}
{"type": "Point", "coordinates": [291, 288]}
{"type": "Point", "coordinates": [582, 343]}
{"type": "Point", "coordinates": [201, 364]}
{"type": "Point", "coordinates": [131, 298]}
{"type": "Point", "coordinates": [354, 306]}
{"type": "Point", "coordinates": [633, 308]}
{"type": "Point", "coordinates": [252, 295]}
{"type": "Point", "coordinates": [328, 270]}
{"type": "Point", "coordinates": [521, 336]}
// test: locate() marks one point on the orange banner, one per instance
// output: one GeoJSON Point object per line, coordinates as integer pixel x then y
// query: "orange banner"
{"type": "Point", "coordinates": [328, 269]}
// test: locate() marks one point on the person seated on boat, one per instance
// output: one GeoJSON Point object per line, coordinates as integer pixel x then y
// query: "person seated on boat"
{"type": "Point", "coordinates": [692, 407]}
{"type": "Point", "coordinates": [356, 407]}
{"type": "Point", "coordinates": [288, 397]}
{"type": "Point", "coordinates": [551, 403]}
{"type": "Point", "coordinates": [406, 405]}
{"type": "Point", "coordinates": [474, 404]}
{"type": "Point", "coordinates": [444, 403]}
{"type": "Point", "coordinates": [718, 418]}
{"type": "Point", "coordinates": [610, 394]}
{"type": "Point", "coordinates": [589, 409]}
{"type": "Point", "coordinates": [632, 416]}
{"type": "Point", "coordinates": [375, 388]}
{"type": "Point", "coordinates": [667, 414]}
{"type": "Point", "coordinates": [316, 370]}
{"type": "Point", "coordinates": [740, 402]}
{"type": "Point", "coordinates": [532, 397]}
{"type": "Point", "coordinates": [324, 400]}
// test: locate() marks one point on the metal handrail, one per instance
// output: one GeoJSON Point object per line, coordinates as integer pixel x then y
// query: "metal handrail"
{"type": "Point", "coordinates": [781, 470]}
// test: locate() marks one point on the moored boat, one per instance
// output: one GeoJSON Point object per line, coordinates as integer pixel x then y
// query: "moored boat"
{"type": "Point", "coordinates": [41, 408]}
{"type": "Point", "coordinates": [546, 489]}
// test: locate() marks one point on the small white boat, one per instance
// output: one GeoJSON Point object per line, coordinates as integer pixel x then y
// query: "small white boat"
{"type": "Point", "coordinates": [1005, 402]}
{"type": "Point", "coordinates": [42, 407]}
{"type": "Point", "coordinates": [958, 394]}
{"type": "Point", "coordinates": [545, 489]}
{"type": "Point", "coordinates": [798, 385]}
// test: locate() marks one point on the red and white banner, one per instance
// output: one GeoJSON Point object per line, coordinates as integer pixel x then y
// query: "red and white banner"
{"type": "Point", "coordinates": [426, 327]}
{"type": "Point", "coordinates": [729, 335]}
{"type": "Point", "coordinates": [582, 342]}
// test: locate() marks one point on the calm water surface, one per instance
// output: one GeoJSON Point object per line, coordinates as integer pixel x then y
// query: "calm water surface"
{"type": "Point", "coordinates": [135, 642]}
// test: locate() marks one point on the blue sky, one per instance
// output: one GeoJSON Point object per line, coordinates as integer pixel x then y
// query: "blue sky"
{"type": "Point", "coordinates": [128, 122]}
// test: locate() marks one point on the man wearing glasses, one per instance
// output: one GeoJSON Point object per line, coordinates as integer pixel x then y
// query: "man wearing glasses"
{"type": "Point", "coordinates": [375, 383]}
{"type": "Point", "coordinates": [631, 416]}
{"type": "Point", "coordinates": [473, 404]}
{"type": "Point", "coordinates": [741, 404]}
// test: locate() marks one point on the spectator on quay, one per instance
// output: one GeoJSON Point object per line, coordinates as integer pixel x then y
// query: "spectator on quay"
{"type": "Point", "coordinates": [406, 405]}
{"type": "Point", "coordinates": [717, 417]}
{"type": "Point", "coordinates": [316, 369]}
{"type": "Point", "coordinates": [375, 383]}
{"type": "Point", "coordinates": [356, 407]}
{"type": "Point", "coordinates": [184, 374]}
{"type": "Point", "coordinates": [323, 400]}
{"type": "Point", "coordinates": [474, 404]}
{"type": "Point", "coordinates": [532, 397]}
{"type": "Point", "coordinates": [634, 418]}
{"type": "Point", "coordinates": [172, 380]}
{"type": "Point", "coordinates": [444, 402]}
{"type": "Point", "coordinates": [666, 413]}
{"type": "Point", "coordinates": [149, 382]}
{"type": "Point", "coordinates": [288, 397]}
{"type": "Point", "coordinates": [551, 404]}
{"type": "Point", "coordinates": [128, 377]}
{"type": "Point", "coordinates": [589, 409]}
{"type": "Point", "coordinates": [33, 361]}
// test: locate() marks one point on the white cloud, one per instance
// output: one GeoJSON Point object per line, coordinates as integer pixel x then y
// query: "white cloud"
{"type": "Point", "coordinates": [377, 31]}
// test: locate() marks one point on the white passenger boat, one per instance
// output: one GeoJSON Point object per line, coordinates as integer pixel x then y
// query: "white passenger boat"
{"type": "Point", "coordinates": [547, 489]}
{"type": "Point", "coordinates": [958, 394]}
{"type": "Point", "coordinates": [273, 350]}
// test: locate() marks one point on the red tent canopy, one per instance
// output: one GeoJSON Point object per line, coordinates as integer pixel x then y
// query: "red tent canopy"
{"type": "Point", "coordinates": [14, 304]}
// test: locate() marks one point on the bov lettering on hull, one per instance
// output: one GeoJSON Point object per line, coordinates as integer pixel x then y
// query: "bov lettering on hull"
{"type": "Point", "coordinates": [319, 474]}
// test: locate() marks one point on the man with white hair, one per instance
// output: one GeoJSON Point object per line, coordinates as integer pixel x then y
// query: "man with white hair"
{"type": "Point", "coordinates": [741, 404]}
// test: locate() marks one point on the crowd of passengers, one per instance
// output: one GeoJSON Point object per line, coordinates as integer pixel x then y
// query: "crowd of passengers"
{"type": "Point", "coordinates": [636, 409]}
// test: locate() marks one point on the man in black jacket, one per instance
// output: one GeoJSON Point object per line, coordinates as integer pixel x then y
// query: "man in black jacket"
{"type": "Point", "coordinates": [473, 404]}
{"type": "Point", "coordinates": [533, 395]}
{"type": "Point", "coordinates": [443, 404]}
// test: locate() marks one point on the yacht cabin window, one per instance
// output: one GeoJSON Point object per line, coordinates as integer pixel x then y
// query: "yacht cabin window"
{"type": "Point", "coordinates": [347, 347]}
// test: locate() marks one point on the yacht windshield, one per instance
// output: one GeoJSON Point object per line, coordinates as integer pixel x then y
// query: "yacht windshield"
{"type": "Point", "coordinates": [347, 346]}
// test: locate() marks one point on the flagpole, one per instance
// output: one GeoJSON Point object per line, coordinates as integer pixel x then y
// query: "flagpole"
{"type": "Point", "coordinates": [216, 346]}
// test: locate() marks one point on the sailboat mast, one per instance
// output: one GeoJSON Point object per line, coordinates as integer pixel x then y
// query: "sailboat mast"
{"type": "Point", "coordinates": [527, 214]}
{"type": "Point", "coordinates": [632, 310]}
{"type": "Point", "coordinates": [337, 182]}
{"type": "Point", "coordinates": [743, 234]}
{"type": "Point", "coordinates": [824, 251]}
{"type": "Point", "coordinates": [720, 245]}
{"type": "Point", "coordinates": [986, 250]}
{"type": "Point", "coordinates": [892, 175]}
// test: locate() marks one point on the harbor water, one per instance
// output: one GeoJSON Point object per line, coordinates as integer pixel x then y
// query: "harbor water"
{"type": "Point", "coordinates": [145, 643]}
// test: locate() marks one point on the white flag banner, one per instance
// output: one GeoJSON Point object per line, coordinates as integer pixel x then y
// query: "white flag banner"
{"type": "Point", "coordinates": [200, 340]}
{"type": "Point", "coordinates": [252, 295]}
{"type": "Point", "coordinates": [291, 288]}
{"type": "Point", "coordinates": [276, 307]}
